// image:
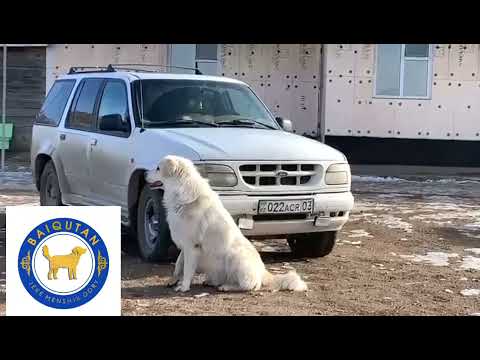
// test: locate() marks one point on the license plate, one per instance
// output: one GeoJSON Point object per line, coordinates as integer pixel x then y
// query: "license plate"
{"type": "Point", "coordinates": [302, 206]}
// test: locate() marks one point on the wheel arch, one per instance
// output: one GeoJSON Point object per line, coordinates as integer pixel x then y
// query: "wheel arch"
{"type": "Point", "coordinates": [135, 186]}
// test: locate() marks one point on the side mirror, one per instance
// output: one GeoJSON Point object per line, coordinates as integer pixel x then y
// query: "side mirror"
{"type": "Point", "coordinates": [113, 122]}
{"type": "Point", "coordinates": [285, 124]}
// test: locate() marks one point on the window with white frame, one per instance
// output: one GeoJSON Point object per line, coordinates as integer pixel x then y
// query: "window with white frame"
{"type": "Point", "coordinates": [403, 70]}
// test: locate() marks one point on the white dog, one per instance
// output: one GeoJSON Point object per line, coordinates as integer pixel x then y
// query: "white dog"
{"type": "Point", "coordinates": [208, 238]}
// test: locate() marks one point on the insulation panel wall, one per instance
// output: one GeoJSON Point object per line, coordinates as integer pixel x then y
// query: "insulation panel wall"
{"type": "Point", "coordinates": [285, 76]}
{"type": "Point", "coordinates": [452, 112]}
{"type": "Point", "coordinates": [60, 57]}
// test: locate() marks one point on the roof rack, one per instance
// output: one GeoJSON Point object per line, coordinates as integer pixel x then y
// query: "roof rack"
{"type": "Point", "coordinates": [80, 69]}
{"type": "Point", "coordinates": [127, 67]}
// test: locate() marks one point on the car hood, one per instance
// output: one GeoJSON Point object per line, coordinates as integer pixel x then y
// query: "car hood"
{"type": "Point", "coordinates": [250, 144]}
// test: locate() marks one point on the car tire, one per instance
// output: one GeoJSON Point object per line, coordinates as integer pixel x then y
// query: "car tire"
{"type": "Point", "coordinates": [153, 233]}
{"type": "Point", "coordinates": [312, 245]}
{"type": "Point", "coordinates": [50, 193]}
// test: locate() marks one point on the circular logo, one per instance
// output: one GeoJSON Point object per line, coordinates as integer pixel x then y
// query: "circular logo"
{"type": "Point", "coordinates": [63, 263]}
{"type": "Point", "coordinates": [282, 173]}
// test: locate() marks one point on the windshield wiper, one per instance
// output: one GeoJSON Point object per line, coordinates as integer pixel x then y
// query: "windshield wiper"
{"type": "Point", "coordinates": [244, 122]}
{"type": "Point", "coordinates": [177, 122]}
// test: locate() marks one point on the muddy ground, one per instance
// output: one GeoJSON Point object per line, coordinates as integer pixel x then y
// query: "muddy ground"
{"type": "Point", "coordinates": [411, 247]}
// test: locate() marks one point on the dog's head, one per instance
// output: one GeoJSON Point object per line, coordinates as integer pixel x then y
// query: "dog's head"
{"type": "Point", "coordinates": [78, 251]}
{"type": "Point", "coordinates": [177, 174]}
{"type": "Point", "coordinates": [171, 168]}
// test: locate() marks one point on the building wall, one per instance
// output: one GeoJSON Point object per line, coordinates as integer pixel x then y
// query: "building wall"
{"type": "Point", "coordinates": [285, 76]}
{"type": "Point", "coordinates": [452, 113]}
{"type": "Point", "coordinates": [60, 57]}
{"type": "Point", "coordinates": [31, 71]}
{"type": "Point", "coordinates": [25, 90]}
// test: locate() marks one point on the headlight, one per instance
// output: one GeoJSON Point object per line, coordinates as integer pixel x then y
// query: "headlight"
{"type": "Point", "coordinates": [338, 174]}
{"type": "Point", "coordinates": [218, 175]}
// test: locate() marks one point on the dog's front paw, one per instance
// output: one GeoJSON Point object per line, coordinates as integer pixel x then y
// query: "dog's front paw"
{"type": "Point", "coordinates": [182, 288]}
{"type": "Point", "coordinates": [172, 282]}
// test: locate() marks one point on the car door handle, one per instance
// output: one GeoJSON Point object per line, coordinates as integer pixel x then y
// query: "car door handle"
{"type": "Point", "coordinates": [63, 137]}
{"type": "Point", "coordinates": [93, 142]}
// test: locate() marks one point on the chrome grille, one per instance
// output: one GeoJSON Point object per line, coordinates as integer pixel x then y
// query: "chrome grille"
{"type": "Point", "coordinates": [278, 174]}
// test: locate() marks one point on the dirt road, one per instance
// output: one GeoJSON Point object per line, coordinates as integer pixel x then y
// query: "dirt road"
{"type": "Point", "coordinates": [411, 248]}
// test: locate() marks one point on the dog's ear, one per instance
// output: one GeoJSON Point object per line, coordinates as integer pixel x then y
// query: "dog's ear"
{"type": "Point", "coordinates": [168, 166]}
{"type": "Point", "coordinates": [75, 251]}
{"type": "Point", "coordinates": [188, 193]}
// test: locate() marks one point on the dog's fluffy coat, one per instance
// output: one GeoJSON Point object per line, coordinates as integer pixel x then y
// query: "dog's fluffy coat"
{"type": "Point", "coordinates": [208, 238]}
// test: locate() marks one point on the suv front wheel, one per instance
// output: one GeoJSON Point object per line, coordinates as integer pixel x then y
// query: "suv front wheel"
{"type": "Point", "coordinates": [50, 194]}
{"type": "Point", "coordinates": [153, 233]}
{"type": "Point", "coordinates": [312, 245]}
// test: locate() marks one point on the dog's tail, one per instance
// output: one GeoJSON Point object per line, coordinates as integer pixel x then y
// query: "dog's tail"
{"type": "Point", "coordinates": [289, 281]}
{"type": "Point", "coordinates": [45, 252]}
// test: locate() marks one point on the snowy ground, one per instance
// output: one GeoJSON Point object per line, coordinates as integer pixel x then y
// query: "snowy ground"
{"type": "Point", "coordinates": [412, 246]}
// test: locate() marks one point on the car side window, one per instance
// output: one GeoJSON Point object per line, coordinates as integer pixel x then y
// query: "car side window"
{"type": "Point", "coordinates": [54, 105]}
{"type": "Point", "coordinates": [114, 102]}
{"type": "Point", "coordinates": [82, 116]}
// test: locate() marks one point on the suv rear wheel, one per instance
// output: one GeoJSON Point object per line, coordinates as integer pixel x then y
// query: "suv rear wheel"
{"type": "Point", "coordinates": [312, 245]}
{"type": "Point", "coordinates": [153, 233]}
{"type": "Point", "coordinates": [50, 194]}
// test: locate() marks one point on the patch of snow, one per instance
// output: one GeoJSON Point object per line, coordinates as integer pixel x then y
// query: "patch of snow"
{"type": "Point", "coordinates": [470, 263]}
{"type": "Point", "coordinates": [435, 258]}
{"type": "Point", "coordinates": [475, 226]}
{"type": "Point", "coordinates": [201, 295]}
{"type": "Point", "coordinates": [359, 233]}
{"type": "Point", "coordinates": [452, 181]}
{"type": "Point", "coordinates": [476, 251]}
{"type": "Point", "coordinates": [391, 179]}
{"type": "Point", "coordinates": [470, 292]}
{"type": "Point", "coordinates": [16, 180]}
{"type": "Point", "coordinates": [358, 178]}
{"type": "Point", "coordinates": [408, 211]}
{"type": "Point", "coordinates": [352, 242]}
{"type": "Point", "coordinates": [469, 234]}
{"type": "Point", "coordinates": [396, 223]}
{"type": "Point", "coordinates": [449, 291]}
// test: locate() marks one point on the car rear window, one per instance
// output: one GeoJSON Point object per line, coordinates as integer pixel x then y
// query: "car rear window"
{"type": "Point", "coordinates": [54, 105]}
{"type": "Point", "coordinates": [82, 117]}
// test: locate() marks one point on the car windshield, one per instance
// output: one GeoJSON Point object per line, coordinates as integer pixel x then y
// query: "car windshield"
{"type": "Point", "coordinates": [175, 103]}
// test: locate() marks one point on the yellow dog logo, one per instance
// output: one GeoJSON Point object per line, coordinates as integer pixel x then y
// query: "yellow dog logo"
{"type": "Point", "coordinates": [69, 262]}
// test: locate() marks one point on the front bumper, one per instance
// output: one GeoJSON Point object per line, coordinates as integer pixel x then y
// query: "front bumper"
{"type": "Point", "coordinates": [321, 219]}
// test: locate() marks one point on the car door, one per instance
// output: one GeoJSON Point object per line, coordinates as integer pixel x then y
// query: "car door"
{"type": "Point", "coordinates": [110, 156]}
{"type": "Point", "coordinates": [76, 139]}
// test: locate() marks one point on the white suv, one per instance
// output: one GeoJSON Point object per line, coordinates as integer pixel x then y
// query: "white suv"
{"type": "Point", "coordinates": [99, 131]}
